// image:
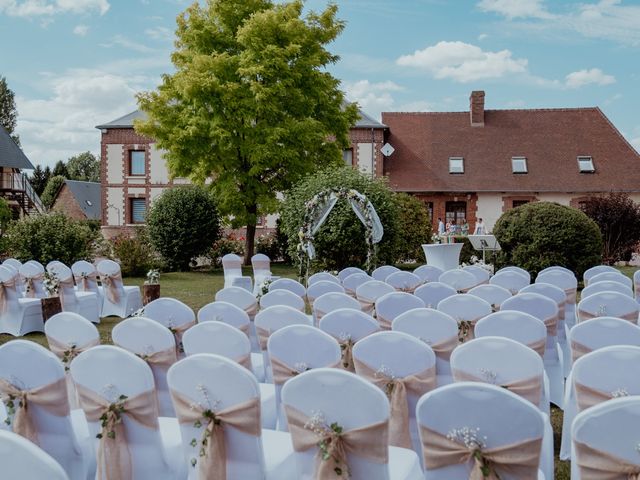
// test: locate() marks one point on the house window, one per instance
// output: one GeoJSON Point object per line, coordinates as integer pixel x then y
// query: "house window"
{"type": "Point", "coordinates": [138, 209]}
{"type": "Point", "coordinates": [456, 165]}
{"type": "Point", "coordinates": [585, 165]}
{"type": "Point", "coordinates": [455, 212]}
{"type": "Point", "coordinates": [519, 203]}
{"type": "Point", "coordinates": [136, 162]}
{"type": "Point", "coordinates": [347, 156]}
{"type": "Point", "coordinates": [519, 165]}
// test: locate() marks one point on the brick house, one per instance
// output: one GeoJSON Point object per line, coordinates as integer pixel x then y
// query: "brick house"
{"type": "Point", "coordinates": [481, 163]}
{"type": "Point", "coordinates": [79, 200]}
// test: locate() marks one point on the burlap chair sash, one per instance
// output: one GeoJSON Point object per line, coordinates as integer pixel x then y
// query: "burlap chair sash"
{"type": "Point", "coordinates": [283, 371]}
{"type": "Point", "coordinates": [244, 416]}
{"type": "Point", "coordinates": [578, 350]}
{"type": "Point", "coordinates": [466, 329]}
{"type": "Point", "coordinates": [571, 294]}
{"type": "Point", "coordinates": [385, 323]}
{"type": "Point", "coordinates": [178, 332]}
{"type": "Point", "coordinates": [162, 358]}
{"type": "Point", "coordinates": [520, 460]}
{"type": "Point", "coordinates": [52, 397]}
{"type": "Point", "coordinates": [396, 389]}
{"type": "Point", "coordinates": [539, 346]}
{"type": "Point", "coordinates": [251, 310]}
{"type": "Point", "coordinates": [62, 284]}
{"type": "Point", "coordinates": [367, 305]}
{"type": "Point", "coordinates": [245, 361]}
{"type": "Point", "coordinates": [407, 289]}
{"type": "Point", "coordinates": [263, 337]}
{"type": "Point", "coordinates": [527, 388]}
{"type": "Point", "coordinates": [444, 347]}
{"type": "Point", "coordinates": [368, 442]}
{"type": "Point", "coordinates": [595, 464]}
{"type": "Point", "coordinates": [110, 283]}
{"type": "Point", "coordinates": [587, 396]}
{"type": "Point", "coordinates": [346, 349]}
{"type": "Point", "coordinates": [261, 265]}
{"type": "Point", "coordinates": [552, 325]}
{"type": "Point", "coordinates": [8, 284]}
{"type": "Point", "coordinates": [245, 329]}
{"type": "Point", "coordinates": [584, 315]}
{"type": "Point", "coordinates": [30, 290]}
{"type": "Point", "coordinates": [83, 280]}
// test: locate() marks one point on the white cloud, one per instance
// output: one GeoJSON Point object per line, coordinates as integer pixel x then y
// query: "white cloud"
{"type": "Point", "coordinates": [122, 41]}
{"type": "Point", "coordinates": [159, 33]}
{"type": "Point", "coordinates": [37, 8]}
{"type": "Point", "coordinates": [588, 77]}
{"type": "Point", "coordinates": [81, 30]}
{"type": "Point", "coordinates": [463, 62]}
{"type": "Point", "coordinates": [516, 8]}
{"type": "Point", "coordinates": [482, 36]}
{"type": "Point", "coordinates": [373, 98]}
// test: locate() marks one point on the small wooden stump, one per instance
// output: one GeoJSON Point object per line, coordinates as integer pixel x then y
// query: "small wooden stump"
{"type": "Point", "coordinates": [50, 306]}
{"type": "Point", "coordinates": [150, 292]}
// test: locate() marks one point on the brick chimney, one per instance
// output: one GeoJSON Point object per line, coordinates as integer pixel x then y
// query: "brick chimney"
{"type": "Point", "coordinates": [476, 108]}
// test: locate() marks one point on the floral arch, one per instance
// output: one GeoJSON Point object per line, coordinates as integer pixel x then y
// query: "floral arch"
{"type": "Point", "coordinates": [316, 212]}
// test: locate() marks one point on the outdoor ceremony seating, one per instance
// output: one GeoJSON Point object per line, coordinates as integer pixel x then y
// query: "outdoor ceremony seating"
{"type": "Point", "coordinates": [322, 277]}
{"type": "Point", "coordinates": [433, 292]}
{"type": "Point", "coordinates": [14, 264]}
{"type": "Point", "coordinates": [18, 316]}
{"type": "Point", "coordinates": [155, 344]}
{"type": "Point", "coordinates": [332, 301]}
{"type": "Point", "coordinates": [428, 273]}
{"type": "Point", "coordinates": [35, 378]}
{"type": "Point", "coordinates": [511, 280]}
{"type": "Point", "coordinates": [436, 329]}
{"type": "Point", "coordinates": [608, 304]}
{"type": "Point", "coordinates": [119, 300]}
{"type": "Point", "coordinates": [462, 418]}
{"type": "Point", "coordinates": [601, 332]}
{"type": "Point", "coordinates": [321, 287]}
{"type": "Point", "coordinates": [612, 277]}
{"type": "Point", "coordinates": [589, 273]}
{"type": "Point", "coordinates": [353, 281]}
{"type": "Point", "coordinates": [80, 302]}
{"type": "Point", "coordinates": [222, 339]}
{"type": "Point", "coordinates": [494, 295]}
{"type": "Point", "coordinates": [261, 265]}
{"type": "Point", "coordinates": [282, 297]}
{"type": "Point", "coordinates": [232, 267]}
{"type": "Point", "coordinates": [33, 274]}
{"type": "Point", "coordinates": [150, 449]}
{"type": "Point", "coordinates": [458, 279]}
{"type": "Point", "coordinates": [348, 326]}
{"type": "Point", "coordinates": [327, 396]}
{"type": "Point", "coordinates": [240, 298]}
{"type": "Point", "coordinates": [606, 286]}
{"type": "Point", "coordinates": [345, 272]}
{"type": "Point", "coordinates": [519, 270]}
{"type": "Point", "coordinates": [290, 285]}
{"type": "Point", "coordinates": [404, 281]}
{"type": "Point", "coordinates": [636, 284]}
{"type": "Point", "coordinates": [466, 310]}
{"type": "Point", "coordinates": [556, 268]}
{"type": "Point", "coordinates": [565, 280]}
{"type": "Point", "coordinates": [482, 276]}
{"type": "Point", "coordinates": [519, 326]}
{"type": "Point", "coordinates": [389, 306]}
{"type": "Point", "coordinates": [381, 273]}
{"type": "Point", "coordinates": [369, 292]}
{"type": "Point", "coordinates": [176, 316]}
{"type": "Point", "coordinates": [21, 458]}
{"type": "Point", "coordinates": [295, 349]}
{"type": "Point", "coordinates": [86, 277]}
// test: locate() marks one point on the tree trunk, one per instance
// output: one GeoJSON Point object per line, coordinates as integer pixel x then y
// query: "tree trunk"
{"type": "Point", "coordinates": [251, 235]}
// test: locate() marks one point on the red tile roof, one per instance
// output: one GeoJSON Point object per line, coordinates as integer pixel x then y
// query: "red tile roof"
{"type": "Point", "coordinates": [550, 139]}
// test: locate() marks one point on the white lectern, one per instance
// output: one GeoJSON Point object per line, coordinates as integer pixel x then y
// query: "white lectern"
{"type": "Point", "coordinates": [445, 256]}
{"type": "Point", "coordinates": [484, 243]}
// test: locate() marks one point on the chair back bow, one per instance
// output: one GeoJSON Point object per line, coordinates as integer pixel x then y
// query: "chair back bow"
{"type": "Point", "coordinates": [7, 284]}
{"type": "Point", "coordinates": [528, 388]}
{"type": "Point", "coordinates": [595, 464]}
{"type": "Point", "coordinates": [178, 332]}
{"type": "Point", "coordinates": [83, 279]}
{"type": "Point", "coordinates": [30, 290]}
{"type": "Point", "coordinates": [587, 396]}
{"type": "Point", "coordinates": [111, 282]}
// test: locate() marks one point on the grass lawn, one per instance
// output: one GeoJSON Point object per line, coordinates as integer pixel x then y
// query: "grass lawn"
{"type": "Point", "coordinates": [196, 289]}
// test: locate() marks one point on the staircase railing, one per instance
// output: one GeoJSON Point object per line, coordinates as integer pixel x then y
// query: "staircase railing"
{"type": "Point", "coordinates": [23, 182]}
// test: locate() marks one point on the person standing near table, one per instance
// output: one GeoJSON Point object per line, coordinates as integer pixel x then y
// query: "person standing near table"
{"type": "Point", "coordinates": [440, 226]}
{"type": "Point", "coordinates": [479, 227]}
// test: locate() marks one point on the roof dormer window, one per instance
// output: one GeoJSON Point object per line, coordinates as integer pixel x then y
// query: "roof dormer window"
{"type": "Point", "coordinates": [519, 165]}
{"type": "Point", "coordinates": [585, 164]}
{"type": "Point", "coordinates": [456, 165]}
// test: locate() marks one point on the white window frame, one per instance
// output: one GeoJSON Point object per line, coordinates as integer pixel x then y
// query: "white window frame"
{"type": "Point", "coordinates": [519, 161]}
{"type": "Point", "coordinates": [453, 161]}
{"type": "Point", "coordinates": [586, 158]}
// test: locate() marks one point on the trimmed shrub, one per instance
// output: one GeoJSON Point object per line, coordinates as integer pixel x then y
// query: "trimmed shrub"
{"type": "Point", "coordinates": [226, 244]}
{"type": "Point", "coordinates": [542, 234]}
{"type": "Point", "coordinates": [340, 241]}
{"type": "Point", "coordinates": [282, 243]}
{"type": "Point", "coordinates": [183, 223]}
{"type": "Point", "coordinates": [134, 253]}
{"type": "Point", "coordinates": [51, 236]}
{"type": "Point", "coordinates": [51, 190]}
{"type": "Point", "coordinates": [414, 228]}
{"type": "Point", "coordinates": [268, 245]}
{"type": "Point", "coordinates": [618, 218]}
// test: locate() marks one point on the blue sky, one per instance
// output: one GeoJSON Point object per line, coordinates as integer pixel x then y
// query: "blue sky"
{"type": "Point", "coordinates": [74, 64]}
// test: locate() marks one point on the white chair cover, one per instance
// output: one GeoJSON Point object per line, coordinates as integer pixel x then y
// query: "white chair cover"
{"type": "Point", "coordinates": [261, 271]}
{"type": "Point", "coordinates": [428, 273]}
{"type": "Point", "coordinates": [606, 286]}
{"type": "Point", "coordinates": [80, 302]}
{"type": "Point", "coordinates": [32, 274]}
{"type": "Point", "coordinates": [174, 315]}
{"type": "Point", "coordinates": [389, 306]}
{"type": "Point", "coordinates": [511, 280]}
{"type": "Point", "coordinates": [458, 279]}
{"type": "Point", "coordinates": [282, 297]}
{"type": "Point", "coordinates": [345, 272]}
{"type": "Point", "coordinates": [20, 458]}
{"type": "Point", "coordinates": [466, 310]}
{"type": "Point", "coordinates": [86, 277]}
{"type": "Point", "coordinates": [128, 298]}
{"type": "Point", "coordinates": [321, 287]}
{"type": "Point", "coordinates": [556, 268]}
{"type": "Point", "coordinates": [381, 273]}
{"type": "Point", "coordinates": [433, 292]}
{"type": "Point", "coordinates": [494, 295]}
{"type": "Point", "coordinates": [608, 304]}
{"type": "Point", "coordinates": [612, 277]}
{"type": "Point", "coordinates": [404, 281]}
{"type": "Point", "coordinates": [322, 277]}
{"type": "Point", "coordinates": [516, 269]}
{"type": "Point", "coordinates": [18, 316]}
{"type": "Point", "coordinates": [332, 301]}
{"type": "Point", "coordinates": [636, 284]}
{"type": "Point", "coordinates": [482, 275]}
{"type": "Point", "coordinates": [232, 266]}
{"type": "Point", "coordinates": [519, 326]}
{"type": "Point", "coordinates": [240, 298]}
{"type": "Point", "coordinates": [289, 284]}
{"type": "Point", "coordinates": [593, 271]}
{"type": "Point", "coordinates": [369, 292]}
{"type": "Point", "coordinates": [353, 281]}
{"type": "Point", "coordinates": [15, 265]}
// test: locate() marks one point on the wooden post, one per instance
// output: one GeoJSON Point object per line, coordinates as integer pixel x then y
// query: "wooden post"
{"type": "Point", "coordinates": [50, 306]}
{"type": "Point", "coordinates": [150, 292]}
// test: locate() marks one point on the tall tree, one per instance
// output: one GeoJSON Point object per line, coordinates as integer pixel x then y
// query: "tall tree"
{"type": "Point", "coordinates": [84, 166]}
{"type": "Point", "coordinates": [39, 178]}
{"type": "Point", "coordinates": [251, 104]}
{"type": "Point", "coordinates": [60, 169]}
{"type": "Point", "coordinates": [8, 112]}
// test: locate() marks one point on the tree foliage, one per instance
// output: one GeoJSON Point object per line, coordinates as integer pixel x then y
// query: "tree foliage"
{"type": "Point", "coordinates": [5, 214]}
{"type": "Point", "coordinates": [84, 167]}
{"type": "Point", "coordinates": [60, 169]}
{"type": "Point", "coordinates": [618, 218]}
{"type": "Point", "coordinates": [183, 223]}
{"type": "Point", "coordinates": [8, 112]}
{"type": "Point", "coordinates": [414, 227]}
{"type": "Point", "coordinates": [51, 190]}
{"type": "Point", "coordinates": [543, 234]}
{"type": "Point", "coordinates": [250, 104]}
{"type": "Point", "coordinates": [39, 178]}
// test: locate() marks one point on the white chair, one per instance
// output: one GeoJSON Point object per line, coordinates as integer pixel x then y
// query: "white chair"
{"type": "Point", "coordinates": [519, 270]}
{"type": "Point", "coordinates": [405, 369]}
{"type": "Point", "coordinates": [295, 349]}
{"type": "Point", "coordinates": [282, 297]}
{"type": "Point", "coordinates": [606, 286]}
{"type": "Point", "coordinates": [261, 265]}
{"type": "Point", "coordinates": [556, 268]}
{"type": "Point", "coordinates": [332, 301]}
{"type": "Point", "coordinates": [369, 292]}
{"type": "Point", "coordinates": [428, 273]}
{"type": "Point", "coordinates": [86, 277]}
{"type": "Point", "coordinates": [601, 332]}
{"type": "Point", "coordinates": [389, 306]}
{"type": "Point", "coordinates": [27, 366]}
{"type": "Point", "coordinates": [348, 326]}
{"type": "Point", "coordinates": [327, 396]}
{"type": "Point", "coordinates": [636, 284]}
{"type": "Point", "coordinates": [289, 284]}
{"type": "Point", "coordinates": [232, 267]}
{"type": "Point", "coordinates": [608, 304]}
{"type": "Point", "coordinates": [436, 329]}
{"type": "Point", "coordinates": [607, 435]}
{"type": "Point", "coordinates": [240, 298]}
{"type": "Point", "coordinates": [486, 416]}
{"type": "Point", "coordinates": [612, 277]}
{"type": "Point", "coordinates": [404, 281]}
{"type": "Point", "coordinates": [353, 281]}
{"type": "Point", "coordinates": [345, 272]}
{"type": "Point", "coordinates": [321, 287]}
{"type": "Point", "coordinates": [173, 314]}
{"type": "Point", "coordinates": [119, 300]}
{"type": "Point", "coordinates": [155, 344]}
{"type": "Point", "coordinates": [546, 310]}
{"type": "Point", "coordinates": [212, 382]}
{"type": "Point", "coordinates": [14, 264]}
{"type": "Point", "coordinates": [482, 276]}
{"type": "Point", "coordinates": [519, 326]}
{"type": "Point", "coordinates": [566, 280]}
{"type": "Point", "coordinates": [433, 292]}
{"type": "Point", "coordinates": [466, 310]}
{"type": "Point", "coordinates": [494, 295]}
{"type": "Point", "coordinates": [511, 280]}
{"type": "Point", "coordinates": [458, 279]}
{"type": "Point", "coordinates": [20, 458]}
{"type": "Point", "coordinates": [322, 277]}
{"type": "Point", "coordinates": [18, 315]}
{"type": "Point", "coordinates": [104, 374]}
{"type": "Point", "coordinates": [32, 274]}
{"type": "Point", "coordinates": [222, 339]}
{"type": "Point", "coordinates": [80, 302]}
{"type": "Point", "coordinates": [381, 273]}
{"type": "Point", "coordinates": [597, 377]}
{"type": "Point", "coordinates": [593, 271]}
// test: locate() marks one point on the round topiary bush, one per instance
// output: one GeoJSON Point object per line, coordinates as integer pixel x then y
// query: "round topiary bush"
{"type": "Point", "coordinates": [414, 229]}
{"type": "Point", "coordinates": [182, 224]}
{"type": "Point", "coordinates": [542, 234]}
{"type": "Point", "coordinates": [340, 242]}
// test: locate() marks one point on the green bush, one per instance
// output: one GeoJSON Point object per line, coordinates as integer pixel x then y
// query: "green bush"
{"type": "Point", "coordinates": [134, 253]}
{"type": "Point", "coordinates": [542, 234]}
{"type": "Point", "coordinates": [414, 228]}
{"type": "Point", "coordinates": [183, 223]}
{"type": "Point", "coordinates": [340, 242]}
{"type": "Point", "coordinates": [267, 244]}
{"type": "Point", "coordinates": [51, 190]}
{"type": "Point", "coordinates": [51, 236]}
{"type": "Point", "coordinates": [282, 243]}
{"type": "Point", "coordinates": [225, 244]}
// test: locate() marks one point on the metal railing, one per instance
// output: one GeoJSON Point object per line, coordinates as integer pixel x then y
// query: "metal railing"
{"type": "Point", "coordinates": [19, 182]}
